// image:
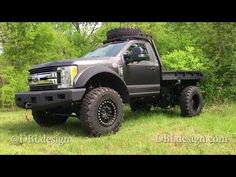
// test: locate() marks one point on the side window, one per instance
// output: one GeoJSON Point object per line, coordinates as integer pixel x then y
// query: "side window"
{"type": "Point", "coordinates": [145, 51]}
{"type": "Point", "coordinates": [151, 52]}
{"type": "Point", "coordinates": [144, 54]}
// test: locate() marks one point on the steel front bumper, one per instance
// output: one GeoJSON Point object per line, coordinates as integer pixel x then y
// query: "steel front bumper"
{"type": "Point", "coordinates": [48, 99]}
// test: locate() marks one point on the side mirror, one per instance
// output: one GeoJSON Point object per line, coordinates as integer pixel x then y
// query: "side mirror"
{"type": "Point", "coordinates": [128, 57]}
{"type": "Point", "coordinates": [135, 55]}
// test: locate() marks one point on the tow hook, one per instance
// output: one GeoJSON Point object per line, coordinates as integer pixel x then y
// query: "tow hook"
{"type": "Point", "coordinates": [28, 105]}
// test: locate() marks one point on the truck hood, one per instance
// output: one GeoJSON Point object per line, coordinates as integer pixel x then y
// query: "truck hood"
{"type": "Point", "coordinates": [79, 62]}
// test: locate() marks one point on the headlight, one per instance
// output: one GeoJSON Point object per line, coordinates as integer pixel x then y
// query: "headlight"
{"type": "Point", "coordinates": [68, 75]}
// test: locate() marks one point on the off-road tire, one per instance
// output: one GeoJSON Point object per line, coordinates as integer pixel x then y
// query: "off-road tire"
{"type": "Point", "coordinates": [191, 101]}
{"type": "Point", "coordinates": [118, 32]}
{"type": "Point", "coordinates": [139, 106]}
{"type": "Point", "coordinates": [93, 113]}
{"type": "Point", "coordinates": [48, 119]}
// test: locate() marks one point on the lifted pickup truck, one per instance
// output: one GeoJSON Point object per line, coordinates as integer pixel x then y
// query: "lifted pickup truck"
{"type": "Point", "coordinates": [126, 69]}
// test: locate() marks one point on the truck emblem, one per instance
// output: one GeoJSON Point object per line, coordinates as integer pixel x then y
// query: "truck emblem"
{"type": "Point", "coordinates": [35, 79]}
{"type": "Point", "coordinates": [114, 65]}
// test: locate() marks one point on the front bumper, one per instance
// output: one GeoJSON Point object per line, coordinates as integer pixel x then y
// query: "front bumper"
{"type": "Point", "coordinates": [48, 98]}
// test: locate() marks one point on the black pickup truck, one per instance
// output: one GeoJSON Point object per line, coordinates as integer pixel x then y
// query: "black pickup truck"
{"type": "Point", "coordinates": [125, 69]}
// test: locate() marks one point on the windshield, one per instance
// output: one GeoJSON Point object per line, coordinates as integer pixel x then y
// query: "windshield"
{"type": "Point", "coordinates": [106, 50]}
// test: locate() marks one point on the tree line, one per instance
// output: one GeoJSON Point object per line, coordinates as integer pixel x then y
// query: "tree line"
{"type": "Point", "coordinates": [208, 47]}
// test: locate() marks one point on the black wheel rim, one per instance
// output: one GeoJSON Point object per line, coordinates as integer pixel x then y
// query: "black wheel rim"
{"type": "Point", "coordinates": [195, 102]}
{"type": "Point", "coordinates": [107, 113]}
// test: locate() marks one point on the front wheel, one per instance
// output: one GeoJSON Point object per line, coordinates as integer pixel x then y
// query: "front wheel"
{"type": "Point", "coordinates": [101, 111]}
{"type": "Point", "coordinates": [48, 118]}
{"type": "Point", "coordinates": [191, 101]}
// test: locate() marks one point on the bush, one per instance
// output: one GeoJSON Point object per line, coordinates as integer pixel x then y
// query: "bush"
{"type": "Point", "coordinates": [189, 59]}
{"type": "Point", "coordinates": [7, 95]}
{"type": "Point", "coordinates": [14, 81]}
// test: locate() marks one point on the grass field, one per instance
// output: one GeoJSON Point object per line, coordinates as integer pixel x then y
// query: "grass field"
{"type": "Point", "coordinates": [214, 132]}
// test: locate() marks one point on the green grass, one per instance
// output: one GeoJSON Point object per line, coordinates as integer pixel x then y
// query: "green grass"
{"type": "Point", "coordinates": [138, 134]}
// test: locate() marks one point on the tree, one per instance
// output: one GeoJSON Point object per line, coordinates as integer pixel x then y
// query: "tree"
{"type": "Point", "coordinates": [209, 47]}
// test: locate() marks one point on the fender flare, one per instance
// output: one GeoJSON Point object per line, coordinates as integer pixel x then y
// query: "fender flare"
{"type": "Point", "coordinates": [87, 74]}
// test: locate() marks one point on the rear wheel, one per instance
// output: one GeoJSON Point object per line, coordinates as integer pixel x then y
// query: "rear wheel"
{"type": "Point", "coordinates": [48, 118]}
{"type": "Point", "coordinates": [191, 101]}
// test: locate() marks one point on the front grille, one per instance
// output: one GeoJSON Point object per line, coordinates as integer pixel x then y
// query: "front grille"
{"type": "Point", "coordinates": [46, 86]}
{"type": "Point", "coordinates": [42, 70]}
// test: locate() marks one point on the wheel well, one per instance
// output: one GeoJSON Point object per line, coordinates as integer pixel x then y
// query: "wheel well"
{"type": "Point", "coordinates": [109, 80]}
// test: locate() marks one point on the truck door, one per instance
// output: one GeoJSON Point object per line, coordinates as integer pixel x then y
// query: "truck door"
{"type": "Point", "coordinates": [141, 77]}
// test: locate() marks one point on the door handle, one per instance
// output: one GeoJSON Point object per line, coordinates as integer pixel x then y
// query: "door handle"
{"type": "Point", "coordinates": [152, 68]}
